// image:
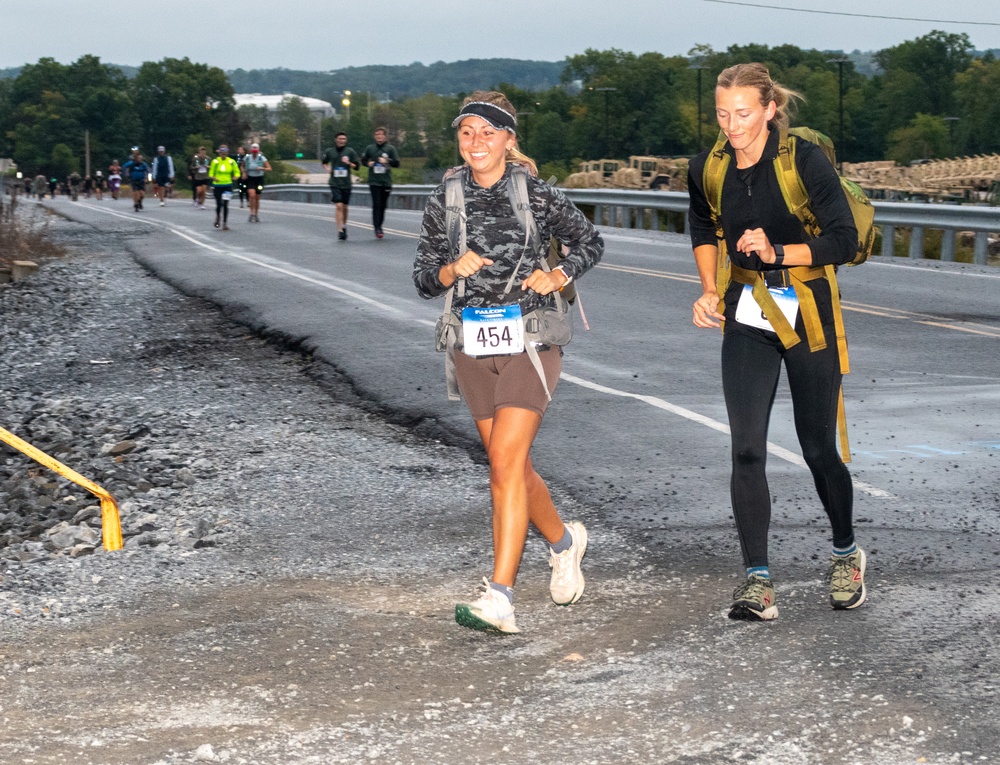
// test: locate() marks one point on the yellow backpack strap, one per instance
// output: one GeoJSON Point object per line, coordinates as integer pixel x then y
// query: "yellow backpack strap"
{"type": "Point", "coordinates": [790, 183]}
{"type": "Point", "coordinates": [713, 179]}
{"type": "Point", "coordinates": [785, 331]}
{"type": "Point", "coordinates": [845, 448]}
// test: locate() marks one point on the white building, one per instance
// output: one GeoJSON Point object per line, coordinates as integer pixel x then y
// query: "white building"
{"type": "Point", "coordinates": [324, 108]}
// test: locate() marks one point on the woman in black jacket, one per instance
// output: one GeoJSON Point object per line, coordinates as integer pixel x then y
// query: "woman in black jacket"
{"type": "Point", "coordinates": [767, 245]}
{"type": "Point", "coordinates": [498, 280]}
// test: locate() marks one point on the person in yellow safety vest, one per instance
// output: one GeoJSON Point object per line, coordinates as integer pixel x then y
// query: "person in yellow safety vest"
{"type": "Point", "coordinates": [223, 172]}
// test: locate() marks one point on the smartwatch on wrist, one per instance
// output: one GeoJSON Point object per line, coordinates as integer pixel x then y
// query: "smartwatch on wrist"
{"type": "Point", "coordinates": [779, 254]}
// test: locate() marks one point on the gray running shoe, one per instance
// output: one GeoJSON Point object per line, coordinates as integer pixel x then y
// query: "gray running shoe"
{"type": "Point", "coordinates": [847, 580]}
{"type": "Point", "coordinates": [567, 582]}
{"type": "Point", "coordinates": [753, 601]}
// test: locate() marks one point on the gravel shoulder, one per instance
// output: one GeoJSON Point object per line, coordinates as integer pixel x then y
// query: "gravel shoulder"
{"type": "Point", "coordinates": [292, 560]}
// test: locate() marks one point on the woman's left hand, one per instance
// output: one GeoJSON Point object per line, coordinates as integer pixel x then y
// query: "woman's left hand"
{"type": "Point", "coordinates": [755, 242]}
{"type": "Point", "coordinates": [545, 282]}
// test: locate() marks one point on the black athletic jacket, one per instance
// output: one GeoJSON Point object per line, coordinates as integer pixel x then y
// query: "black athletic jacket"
{"type": "Point", "coordinates": [751, 198]}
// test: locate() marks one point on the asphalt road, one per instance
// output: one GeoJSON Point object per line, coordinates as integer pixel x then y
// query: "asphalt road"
{"type": "Point", "coordinates": [637, 433]}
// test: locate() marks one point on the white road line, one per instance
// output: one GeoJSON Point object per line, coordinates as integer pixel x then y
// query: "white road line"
{"type": "Point", "coordinates": [319, 282]}
{"type": "Point", "coordinates": [708, 422]}
{"type": "Point", "coordinates": [653, 401]}
{"type": "Point", "coordinates": [932, 270]}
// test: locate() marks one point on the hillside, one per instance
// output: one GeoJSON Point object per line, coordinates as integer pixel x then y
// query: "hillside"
{"type": "Point", "coordinates": [401, 81]}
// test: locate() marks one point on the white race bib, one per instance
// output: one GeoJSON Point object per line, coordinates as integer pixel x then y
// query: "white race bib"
{"type": "Point", "coordinates": [749, 313]}
{"type": "Point", "coordinates": [379, 168]}
{"type": "Point", "coordinates": [340, 172]}
{"type": "Point", "coordinates": [493, 331]}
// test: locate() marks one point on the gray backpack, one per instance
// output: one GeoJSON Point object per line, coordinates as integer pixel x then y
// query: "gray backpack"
{"type": "Point", "coordinates": [543, 326]}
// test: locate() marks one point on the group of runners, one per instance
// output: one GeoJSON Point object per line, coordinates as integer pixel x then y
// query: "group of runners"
{"type": "Point", "coordinates": [484, 247]}
{"type": "Point", "coordinates": [242, 176]}
{"type": "Point", "coordinates": [379, 157]}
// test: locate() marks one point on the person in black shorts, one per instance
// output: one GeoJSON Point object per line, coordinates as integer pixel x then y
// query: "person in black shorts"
{"type": "Point", "coordinates": [341, 161]}
{"type": "Point", "coordinates": [255, 165]}
{"type": "Point", "coordinates": [506, 394]}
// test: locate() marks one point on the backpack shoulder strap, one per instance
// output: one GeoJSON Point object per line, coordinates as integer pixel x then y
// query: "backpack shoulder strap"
{"type": "Point", "coordinates": [713, 178]}
{"type": "Point", "coordinates": [790, 182]}
{"type": "Point", "coordinates": [454, 210]}
{"type": "Point", "coordinates": [517, 190]}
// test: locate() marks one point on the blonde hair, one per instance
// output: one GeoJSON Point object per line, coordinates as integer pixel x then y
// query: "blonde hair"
{"type": "Point", "coordinates": [758, 77]}
{"type": "Point", "coordinates": [495, 97]}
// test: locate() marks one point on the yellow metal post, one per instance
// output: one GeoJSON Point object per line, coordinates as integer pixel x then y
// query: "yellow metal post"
{"type": "Point", "coordinates": [111, 527]}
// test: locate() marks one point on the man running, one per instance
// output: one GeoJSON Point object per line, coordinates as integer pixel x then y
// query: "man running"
{"type": "Point", "coordinates": [136, 172]}
{"type": "Point", "coordinates": [163, 173]}
{"type": "Point", "coordinates": [340, 161]}
{"type": "Point", "coordinates": [380, 157]}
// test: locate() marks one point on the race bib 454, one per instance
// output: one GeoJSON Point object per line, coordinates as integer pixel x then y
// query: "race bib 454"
{"type": "Point", "coordinates": [492, 331]}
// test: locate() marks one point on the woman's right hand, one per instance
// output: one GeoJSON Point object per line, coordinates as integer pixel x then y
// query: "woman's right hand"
{"type": "Point", "coordinates": [706, 311]}
{"type": "Point", "coordinates": [464, 267]}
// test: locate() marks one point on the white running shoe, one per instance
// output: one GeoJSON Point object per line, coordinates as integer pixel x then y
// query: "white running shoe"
{"type": "Point", "coordinates": [567, 583]}
{"type": "Point", "coordinates": [492, 612]}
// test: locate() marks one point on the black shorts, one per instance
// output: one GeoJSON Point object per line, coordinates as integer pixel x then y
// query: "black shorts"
{"type": "Point", "coordinates": [195, 183]}
{"type": "Point", "coordinates": [340, 196]}
{"type": "Point", "coordinates": [255, 182]}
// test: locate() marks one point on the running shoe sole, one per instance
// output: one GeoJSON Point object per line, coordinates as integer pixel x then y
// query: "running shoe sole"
{"type": "Point", "coordinates": [466, 617]}
{"type": "Point", "coordinates": [744, 612]}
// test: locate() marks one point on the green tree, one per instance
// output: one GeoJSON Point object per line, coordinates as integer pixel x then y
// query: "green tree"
{"type": "Point", "coordinates": [926, 137]}
{"type": "Point", "coordinates": [978, 129]}
{"type": "Point", "coordinates": [175, 98]}
{"type": "Point", "coordinates": [286, 141]}
{"type": "Point", "coordinates": [257, 118]}
{"type": "Point", "coordinates": [920, 76]}
{"type": "Point", "coordinates": [63, 161]}
{"type": "Point", "coordinates": [293, 111]}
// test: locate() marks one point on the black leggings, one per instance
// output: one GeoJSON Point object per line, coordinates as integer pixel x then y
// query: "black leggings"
{"type": "Point", "coordinates": [221, 205]}
{"type": "Point", "coordinates": [751, 364]}
{"type": "Point", "coordinates": [380, 198]}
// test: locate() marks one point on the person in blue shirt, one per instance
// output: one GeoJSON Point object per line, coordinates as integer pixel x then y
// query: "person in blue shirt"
{"type": "Point", "coordinates": [136, 173]}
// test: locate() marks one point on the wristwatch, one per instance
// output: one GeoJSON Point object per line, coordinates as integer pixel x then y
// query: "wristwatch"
{"type": "Point", "coordinates": [561, 270]}
{"type": "Point", "coordinates": [779, 254]}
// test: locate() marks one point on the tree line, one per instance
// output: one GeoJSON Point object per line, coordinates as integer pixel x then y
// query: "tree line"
{"type": "Point", "coordinates": [929, 97]}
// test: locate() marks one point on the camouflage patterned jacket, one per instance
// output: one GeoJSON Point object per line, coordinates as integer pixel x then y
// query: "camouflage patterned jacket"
{"type": "Point", "coordinates": [494, 232]}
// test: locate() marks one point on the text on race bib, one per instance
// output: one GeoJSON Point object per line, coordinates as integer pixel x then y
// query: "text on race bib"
{"type": "Point", "coordinates": [492, 331]}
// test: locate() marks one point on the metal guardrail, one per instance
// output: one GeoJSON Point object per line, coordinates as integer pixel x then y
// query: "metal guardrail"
{"type": "Point", "coordinates": [642, 209]}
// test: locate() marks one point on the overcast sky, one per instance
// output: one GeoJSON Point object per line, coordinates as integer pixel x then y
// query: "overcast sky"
{"type": "Point", "coordinates": [320, 35]}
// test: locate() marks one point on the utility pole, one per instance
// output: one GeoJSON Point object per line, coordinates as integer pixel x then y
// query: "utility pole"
{"type": "Point", "coordinates": [86, 152]}
{"type": "Point", "coordinates": [840, 61]}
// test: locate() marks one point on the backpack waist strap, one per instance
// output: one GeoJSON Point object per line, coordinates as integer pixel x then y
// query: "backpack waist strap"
{"type": "Point", "coordinates": [800, 276]}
